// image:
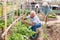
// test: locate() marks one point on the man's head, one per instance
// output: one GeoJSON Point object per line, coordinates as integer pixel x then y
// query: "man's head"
{"type": "Point", "coordinates": [32, 14]}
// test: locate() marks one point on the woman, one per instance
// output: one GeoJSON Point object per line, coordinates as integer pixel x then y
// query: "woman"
{"type": "Point", "coordinates": [45, 10]}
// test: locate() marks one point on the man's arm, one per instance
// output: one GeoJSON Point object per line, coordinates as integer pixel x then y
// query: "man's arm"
{"type": "Point", "coordinates": [30, 23]}
{"type": "Point", "coordinates": [24, 18]}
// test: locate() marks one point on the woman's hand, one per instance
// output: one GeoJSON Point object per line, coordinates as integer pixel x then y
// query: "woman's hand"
{"type": "Point", "coordinates": [46, 19]}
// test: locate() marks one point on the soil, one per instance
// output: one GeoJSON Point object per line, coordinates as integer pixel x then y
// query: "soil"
{"type": "Point", "coordinates": [0, 34]}
{"type": "Point", "coordinates": [53, 32]}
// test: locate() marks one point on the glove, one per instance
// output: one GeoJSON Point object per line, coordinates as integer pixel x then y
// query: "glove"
{"type": "Point", "coordinates": [29, 28]}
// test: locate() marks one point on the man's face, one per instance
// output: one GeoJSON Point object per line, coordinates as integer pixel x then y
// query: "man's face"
{"type": "Point", "coordinates": [32, 15]}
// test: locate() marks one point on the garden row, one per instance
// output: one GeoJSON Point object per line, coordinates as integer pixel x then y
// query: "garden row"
{"type": "Point", "coordinates": [20, 31]}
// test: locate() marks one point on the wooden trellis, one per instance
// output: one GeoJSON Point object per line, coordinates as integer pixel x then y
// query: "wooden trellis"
{"type": "Point", "coordinates": [4, 3]}
{"type": "Point", "coordinates": [5, 14]}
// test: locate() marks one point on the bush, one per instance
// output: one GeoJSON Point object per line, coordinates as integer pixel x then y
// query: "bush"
{"type": "Point", "coordinates": [52, 15]}
{"type": "Point", "coordinates": [20, 11]}
{"type": "Point", "coordinates": [20, 32]}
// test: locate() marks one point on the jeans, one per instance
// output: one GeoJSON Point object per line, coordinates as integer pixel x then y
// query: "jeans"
{"type": "Point", "coordinates": [37, 25]}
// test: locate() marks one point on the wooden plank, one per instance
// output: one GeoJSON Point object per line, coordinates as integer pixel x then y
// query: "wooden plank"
{"type": "Point", "coordinates": [16, 7]}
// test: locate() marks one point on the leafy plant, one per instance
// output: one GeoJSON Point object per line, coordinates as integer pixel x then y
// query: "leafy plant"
{"type": "Point", "coordinates": [16, 36]}
{"type": "Point", "coordinates": [2, 22]}
{"type": "Point", "coordinates": [20, 11]}
{"type": "Point", "coordinates": [0, 9]}
{"type": "Point", "coordinates": [22, 31]}
{"type": "Point", "coordinates": [45, 36]}
{"type": "Point", "coordinates": [9, 21]}
{"type": "Point", "coordinates": [9, 3]}
{"type": "Point", "coordinates": [52, 15]}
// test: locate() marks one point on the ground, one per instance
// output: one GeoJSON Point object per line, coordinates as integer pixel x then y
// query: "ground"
{"type": "Point", "coordinates": [52, 30]}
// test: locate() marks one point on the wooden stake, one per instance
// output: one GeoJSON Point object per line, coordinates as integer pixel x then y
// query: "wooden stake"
{"type": "Point", "coordinates": [5, 14]}
{"type": "Point", "coordinates": [17, 7]}
{"type": "Point", "coordinates": [12, 9]}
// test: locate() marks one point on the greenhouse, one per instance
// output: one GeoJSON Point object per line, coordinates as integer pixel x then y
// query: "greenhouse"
{"type": "Point", "coordinates": [29, 19]}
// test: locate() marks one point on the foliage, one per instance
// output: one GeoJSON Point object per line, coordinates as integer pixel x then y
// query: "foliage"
{"type": "Point", "coordinates": [16, 36]}
{"type": "Point", "coordinates": [9, 21]}
{"type": "Point", "coordinates": [9, 3]}
{"type": "Point", "coordinates": [20, 11]}
{"type": "Point", "coordinates": [2, 22]}
{"type": "Point", "coordinates": [0, 10]}
{"type": "Point", "coordinates": [45, 35]}
{"type": "Point", "coordinates": [52, 15]}
{"type": "Point", "coordinates": [20, 32]}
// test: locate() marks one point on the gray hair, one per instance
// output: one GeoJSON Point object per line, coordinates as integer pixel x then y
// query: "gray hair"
{"type": "Point", "coordinates": [33, 12]}
{"type": "Point", "coordinates": [45, 4]}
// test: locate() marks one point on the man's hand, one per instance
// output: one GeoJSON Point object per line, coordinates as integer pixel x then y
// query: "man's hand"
{"type": "Point", "coordinates": [30, 23]}
{"type": "Point", "coordinates": [25, 21]}
{"type": "Point", "coordinates": [24, 18]}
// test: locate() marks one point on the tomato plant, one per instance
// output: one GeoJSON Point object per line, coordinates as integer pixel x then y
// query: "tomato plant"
{"type": "Point", "coordinates": [20, 31]}
{"type": "Point", "coordinates": [2, 22]}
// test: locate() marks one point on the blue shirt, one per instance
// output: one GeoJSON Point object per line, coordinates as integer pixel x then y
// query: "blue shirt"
{"type": "Point", "coordinates": [45, 10]}
{"type": "Point", "coordinates": [35, 19]}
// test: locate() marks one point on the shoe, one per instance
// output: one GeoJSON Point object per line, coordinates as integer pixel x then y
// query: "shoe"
{"type": "Point", "coordinates": [34, 36]}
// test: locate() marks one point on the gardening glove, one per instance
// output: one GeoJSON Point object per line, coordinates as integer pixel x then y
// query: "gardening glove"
{"type": "Point", "coordinates": [29, 28]}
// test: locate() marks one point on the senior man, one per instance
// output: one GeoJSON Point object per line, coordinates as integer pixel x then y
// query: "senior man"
{"type": "Point", "coordinates": [34, 22]}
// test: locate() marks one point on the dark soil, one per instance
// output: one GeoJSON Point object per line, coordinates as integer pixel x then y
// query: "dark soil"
{"type": "Point", "coordinates": [53, 32]}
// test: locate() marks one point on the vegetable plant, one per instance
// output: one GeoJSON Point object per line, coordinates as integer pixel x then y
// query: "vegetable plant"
{"type": "Point", "coordinates": [52, 15]}
{"type": "Point", "coordinates": [21, 32]}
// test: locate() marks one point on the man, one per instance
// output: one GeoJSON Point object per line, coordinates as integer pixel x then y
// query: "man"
{"type": "Point", "coordinates": [34, 22]}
